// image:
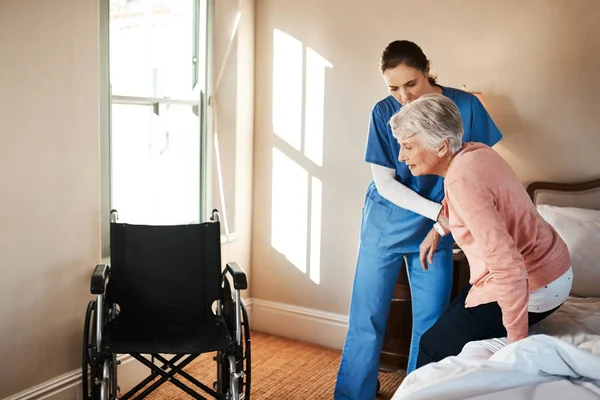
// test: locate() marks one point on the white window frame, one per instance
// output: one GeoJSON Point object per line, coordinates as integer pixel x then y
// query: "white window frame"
{"type": "Point", "coordinates": [202, 48]}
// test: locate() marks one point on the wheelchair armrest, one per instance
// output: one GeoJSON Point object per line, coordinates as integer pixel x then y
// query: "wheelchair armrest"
{"type": "Point", "coordinates": [238, 274]}
{"type": "Point", "coordinates": [99, 278]}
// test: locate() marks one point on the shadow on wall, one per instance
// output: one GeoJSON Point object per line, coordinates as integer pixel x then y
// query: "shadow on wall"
{"type": "Point", "coordinates": [525, 144]}
{"type": "Point", "coordinates": [514, 128]}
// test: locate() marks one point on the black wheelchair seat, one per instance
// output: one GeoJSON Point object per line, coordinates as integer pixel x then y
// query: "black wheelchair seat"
{"type": "Point", "coordinates": [168, 340]}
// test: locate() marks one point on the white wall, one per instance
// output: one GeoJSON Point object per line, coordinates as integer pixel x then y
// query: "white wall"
{"type": "Point", "coordinates": [536, 63]}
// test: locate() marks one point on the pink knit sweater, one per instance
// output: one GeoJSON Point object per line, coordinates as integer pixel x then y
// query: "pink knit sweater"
{"type": "Point", "coordinates": [511, 250]}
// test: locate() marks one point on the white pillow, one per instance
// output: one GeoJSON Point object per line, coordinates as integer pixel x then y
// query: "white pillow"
{"type": "Point", "coordinates": [581, 214]}
{"type": "Point", "coordinates": [580, 229]}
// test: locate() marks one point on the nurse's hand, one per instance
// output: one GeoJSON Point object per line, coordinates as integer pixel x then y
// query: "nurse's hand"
{"type": "Point", "coordinates": [428, 247]}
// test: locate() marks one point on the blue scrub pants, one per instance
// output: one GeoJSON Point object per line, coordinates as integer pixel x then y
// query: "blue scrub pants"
{"type": "Point", "coordinates": [376, 276]}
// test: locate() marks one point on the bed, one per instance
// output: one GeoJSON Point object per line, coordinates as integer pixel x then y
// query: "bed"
{"type": "Point", "coordinates": [561, 357]}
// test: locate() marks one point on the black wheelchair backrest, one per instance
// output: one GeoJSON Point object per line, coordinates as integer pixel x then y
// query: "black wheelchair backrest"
{"type": "Point", "coordinates": [165, 273]}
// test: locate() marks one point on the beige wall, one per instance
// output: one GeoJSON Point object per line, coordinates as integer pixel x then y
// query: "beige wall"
{"type": "Point", "coordinates": [536, 63]}
{"type": "Point", "coordinates": [50, 166]}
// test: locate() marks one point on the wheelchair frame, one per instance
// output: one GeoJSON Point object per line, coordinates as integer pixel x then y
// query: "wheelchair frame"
{"type": "Point", "coordinates": [99, 366]}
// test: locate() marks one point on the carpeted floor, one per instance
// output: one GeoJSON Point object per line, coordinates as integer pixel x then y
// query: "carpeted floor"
{"type": "Point", "coordinates": [282, 369]}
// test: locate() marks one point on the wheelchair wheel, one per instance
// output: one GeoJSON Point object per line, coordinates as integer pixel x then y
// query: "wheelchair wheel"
{"type": "Point", "coordinates": [89, 371]}
{"type": "Point", "coordinates": [233, 369]}
{"type": "Point", "coordinates": [100, 382]}
{"type": "Point", "coordinates": [245, 363]}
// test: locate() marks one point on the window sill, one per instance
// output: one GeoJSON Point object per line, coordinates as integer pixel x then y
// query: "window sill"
{"type": "Point", "coordinates": [232, 237]}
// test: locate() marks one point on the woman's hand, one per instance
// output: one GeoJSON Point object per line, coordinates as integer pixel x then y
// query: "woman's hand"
{"type": "Point", "coordinates": [428, 247]}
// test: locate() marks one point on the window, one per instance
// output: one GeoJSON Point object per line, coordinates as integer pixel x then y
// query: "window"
{"type": "Point", "coordinates": [154, 144]}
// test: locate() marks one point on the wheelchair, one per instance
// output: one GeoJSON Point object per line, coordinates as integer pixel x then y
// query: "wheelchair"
{"type": "Point", "coordinates": [165, 300]}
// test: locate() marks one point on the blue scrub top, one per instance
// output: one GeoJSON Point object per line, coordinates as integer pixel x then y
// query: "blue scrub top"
{"type": "Point", "coordinates": [392, 228]}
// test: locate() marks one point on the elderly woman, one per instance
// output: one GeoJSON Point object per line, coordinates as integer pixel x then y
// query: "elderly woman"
{"type": "Point", "coordinates": [520, 269]}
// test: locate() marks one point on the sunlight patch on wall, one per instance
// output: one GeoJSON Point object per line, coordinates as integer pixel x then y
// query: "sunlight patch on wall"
{"type": "Point", "coordinates": [287, 88]}
{"type": "Point", "coordinates": [289, 209]}
{"type": "Point", "coordinates": [315, 105]}
{"type": "Point", "coordinates": [298, 119]}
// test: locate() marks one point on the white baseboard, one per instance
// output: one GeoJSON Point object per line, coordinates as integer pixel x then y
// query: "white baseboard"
{"type": "Point", "coordinates": [306, 324]}
{"type": "Point", "coordinates": [68, 386]}
{"type": "Point", "coordinates": [248, 303]}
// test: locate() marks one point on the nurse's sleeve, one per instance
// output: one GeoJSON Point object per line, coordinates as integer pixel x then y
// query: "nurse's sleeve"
{"type": "Point", "coordinates": [403, 196]}
{"type": "Point", "coordinates": [483, 128]}
{"type": "Point", "coordinates": [378, 150]}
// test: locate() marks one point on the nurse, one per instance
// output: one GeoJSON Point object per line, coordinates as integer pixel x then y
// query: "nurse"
{"type": "Point", "coordinates": [399, 213]}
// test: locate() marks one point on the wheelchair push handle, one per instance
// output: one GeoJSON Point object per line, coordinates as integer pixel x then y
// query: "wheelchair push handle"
{"type": "Point", "coordinates": [215, 215]}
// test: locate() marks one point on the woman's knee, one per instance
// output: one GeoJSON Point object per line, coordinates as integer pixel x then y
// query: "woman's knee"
{"type": "Point", "coordinates": [429, 342]}
{"type": "Point", "coordinates": [428, 348]}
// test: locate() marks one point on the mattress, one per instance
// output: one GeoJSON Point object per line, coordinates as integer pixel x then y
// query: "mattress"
{"type": "Point", "coordinates": [559, 360]}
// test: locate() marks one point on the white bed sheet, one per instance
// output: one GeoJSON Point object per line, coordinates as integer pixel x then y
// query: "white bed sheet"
{"type": "Point", "coordinates": [560, 360]}
{"type": "Point", "coordinates": [577, 321]}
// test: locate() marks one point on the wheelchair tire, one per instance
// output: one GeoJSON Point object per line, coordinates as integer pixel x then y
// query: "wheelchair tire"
{"type": "Point", "coordinates": [242, 354]}
{"type": "Point", "coordinates": [85, 350]}
{"type": "Point", "coordinates": [89, 356]}
{"type": "Point", "coordinates": [246, 361]}
{"type": "Point", "coordinates": [95, 361]}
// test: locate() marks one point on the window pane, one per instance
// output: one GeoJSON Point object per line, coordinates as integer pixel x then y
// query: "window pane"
{"type": "Point", "coordinates": [151, 48]}
{"type": "Point", "coordinates": [155, 164]}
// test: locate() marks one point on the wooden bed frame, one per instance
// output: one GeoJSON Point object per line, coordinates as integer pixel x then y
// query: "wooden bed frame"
{"type": "Point", "coordinates": [583, 194]}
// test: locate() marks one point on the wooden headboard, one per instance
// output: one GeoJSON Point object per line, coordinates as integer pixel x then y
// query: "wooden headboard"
{"type": "Point", "coordinates": [582, 195]}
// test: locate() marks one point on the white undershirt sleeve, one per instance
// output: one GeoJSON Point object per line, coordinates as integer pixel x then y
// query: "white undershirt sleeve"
{"type": "Point", "coordinates": [402, 196]}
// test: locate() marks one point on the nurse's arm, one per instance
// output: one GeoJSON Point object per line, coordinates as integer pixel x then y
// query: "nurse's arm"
{"type": "Point", "coordinates": [402, 196]}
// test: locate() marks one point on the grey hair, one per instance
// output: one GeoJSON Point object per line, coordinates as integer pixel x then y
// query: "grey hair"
{"type": "Point", "coordinates": [434, 117]}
